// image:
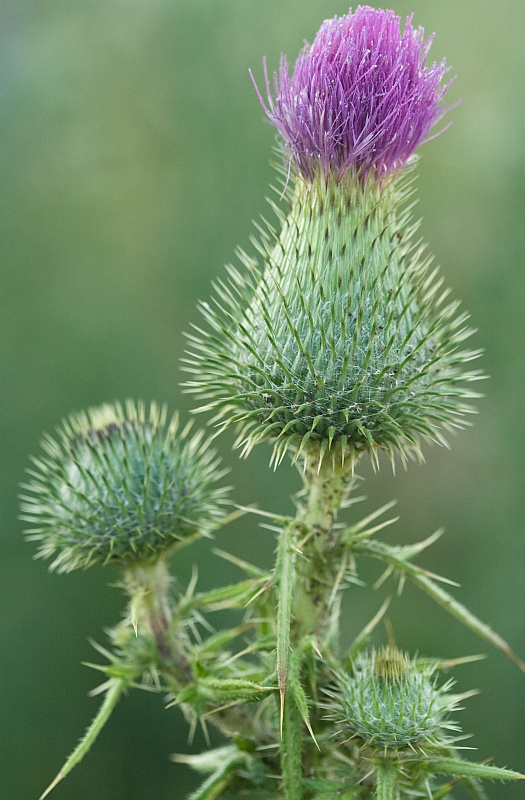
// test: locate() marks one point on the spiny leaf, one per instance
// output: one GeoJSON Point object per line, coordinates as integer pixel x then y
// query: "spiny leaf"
{"type": "Point", "coordinates": [234, 596]}
{"type": "Point", "coordinates": [249, 569]}
{"type": "Point", "coordinates": [393, 557]}
{"type": "Point", "coordinates": [296, 690]}
{"type": "Point", "coordinates": [284, 579]}
{"type": "Point", "coordinates": [456, 766]}
{"type": "Point", "coordinates": [218, 691]}
{"type": "Point", "coordinates": [222, 764]}
{"type": "Point", "coordinates": [114, 690]}
{"type": "Point", "coordinates": [362, 638]}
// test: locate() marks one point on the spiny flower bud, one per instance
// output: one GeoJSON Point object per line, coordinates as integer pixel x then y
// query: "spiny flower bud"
{"type": "Point", "coordinates": [120, 486]}
{"type": "Point", "coordinates": [360, 97]}
{"type": "Point", "coordinates": [391, 702]}
{"type": "Point", "coordinates": [343, 337]}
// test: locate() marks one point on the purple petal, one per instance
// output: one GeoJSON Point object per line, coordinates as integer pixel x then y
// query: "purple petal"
{"type": "Point", "coordinates": [360, 97]}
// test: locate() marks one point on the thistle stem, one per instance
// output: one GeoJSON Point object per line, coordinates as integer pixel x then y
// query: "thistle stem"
{"type": "Point", "coordinates": [291, 751]}
{"type": "Point", "coordinates": [306, 573]}
{"type": "Point", "coordinates": [148, 586]}
{"type": "Point", "coordinates": [326, 484]}
{"type": "Point", "coordinates": [387, 787]}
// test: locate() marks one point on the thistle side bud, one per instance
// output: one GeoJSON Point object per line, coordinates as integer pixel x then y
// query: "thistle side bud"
{"type": "Point", "coordinates": [120, 486]}
{"type": "Point", "coordinates": [391, 703]}
{"type": "Point", "coordinates": [341, 335]}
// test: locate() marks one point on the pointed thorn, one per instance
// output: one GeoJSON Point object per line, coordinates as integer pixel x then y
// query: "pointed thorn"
{"type": "Point", "coordinates": [263, 589]}
{"type": "Point", "coordinates": [316, 649]}
{"type": "Point", "coordinates": [52, 786]}
{"type": "Point", "coordinates": [282, 691]}
{"type": "Point", "coordinates": [310, 731]}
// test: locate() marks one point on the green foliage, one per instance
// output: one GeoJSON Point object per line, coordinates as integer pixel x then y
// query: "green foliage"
{"type": "Point", "coordinates": [303, 722]}
{"type": "Point", "coordinates": [120, 487]}
{"type": "Point", "coordinates": [112, 693]}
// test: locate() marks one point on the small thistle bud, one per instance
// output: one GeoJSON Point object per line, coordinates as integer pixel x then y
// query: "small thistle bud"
{"type": "Point", "coordinates": [343, 337]}
{"type": "Point", "coordinates": [120, 487]}
{"type": "Point", "coordinates": [390, 703]}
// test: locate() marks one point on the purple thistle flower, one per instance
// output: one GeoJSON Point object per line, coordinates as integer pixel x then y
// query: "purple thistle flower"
{"type": "Point", "coordinates": [360, 97]}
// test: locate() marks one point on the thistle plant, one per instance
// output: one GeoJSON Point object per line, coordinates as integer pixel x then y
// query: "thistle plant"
{"type": "Point", "coordinates": [335, 341]}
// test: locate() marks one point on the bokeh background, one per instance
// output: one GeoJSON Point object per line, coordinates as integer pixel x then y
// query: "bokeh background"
{"type": "Point", "coordinates": [133, 157]}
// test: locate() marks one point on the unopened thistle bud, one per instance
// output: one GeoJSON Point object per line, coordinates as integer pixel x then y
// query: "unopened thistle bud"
{"type": "Point", "coordinates": [120, 486]}
{"type": "Point", "coordinates": [391, 703]}
{"type": "Point", "coordinates": [341, 336]}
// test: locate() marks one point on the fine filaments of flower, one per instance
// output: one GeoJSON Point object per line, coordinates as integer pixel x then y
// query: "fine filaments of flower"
{"type": "Point", "coordinates": [120, 486]}
{"type": "Point", "coordinates": [339, 336]}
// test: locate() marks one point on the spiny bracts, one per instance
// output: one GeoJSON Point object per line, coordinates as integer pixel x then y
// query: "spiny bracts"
{"type": "Point", "coordinates": [120, 486]}
{"type": "Point", "coordinates": [391, 702]}
{"type": "Point", "coordinates": [340, 336]}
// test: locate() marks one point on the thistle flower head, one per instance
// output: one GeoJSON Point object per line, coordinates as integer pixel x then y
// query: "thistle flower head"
{"type": "Point", "coordinates": [359, 98]}
{"type": "Point", "coordinates": [343, 338]}
{"type": "Point", "coordinates": [120, 486]}
{"type": "Point", "coordinates": [339, 335]}
{"type": "Point", "coordinates": [391, 702]}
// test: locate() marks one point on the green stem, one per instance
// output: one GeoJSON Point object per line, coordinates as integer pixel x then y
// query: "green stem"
{"type": "Point", "coordinates": [319, 569]}
{"type": "Point", "coordinates": [291, 750]}
{"type": "Point", "coordinates": [306, 573]}
{"type": "Point", "coordinates": [387, 786]}
{"type": "Point", "coordinates": [148, 586]}
{"type": "Point", "coordinates": [284, 578]}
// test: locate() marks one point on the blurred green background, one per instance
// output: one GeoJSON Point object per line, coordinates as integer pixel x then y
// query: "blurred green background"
{"type": "Point", "coordinates": [133, 157]}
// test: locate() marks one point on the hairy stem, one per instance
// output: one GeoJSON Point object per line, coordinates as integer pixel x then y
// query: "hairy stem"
{"type": "Point", "coordinates": [148, 586]}
{"type": "Point", "coordinates": [387, 787]}
{"type": "Point", "coordinates": [319, 569]}
{"type": "Point", "coordinates": [291, 751]}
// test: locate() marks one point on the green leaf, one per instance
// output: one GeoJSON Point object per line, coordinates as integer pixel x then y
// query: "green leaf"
{"type": "Point", "coordinates": [249, 569]}
{"type": "Point", "coordinates": [394, 556]}
{"type": "Point", "coordinates": [113, 692]}
{"type": "Point", "coordinates": [297, 691]}
{"type": "Point", "coordinates": [230, 759]}
{"type": "Point", "coordinates": [456, 766]}
{"type": "Point", "coordinates": [215, 644]}
{"type": "Point", "coordinates": [213, 786]}
{"type": "Point", "coordinates": [217, 691]}
{"type": "Point", "coordinates": [284, 579]}
{"type": "Point", "coordinates": [237, 595]}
